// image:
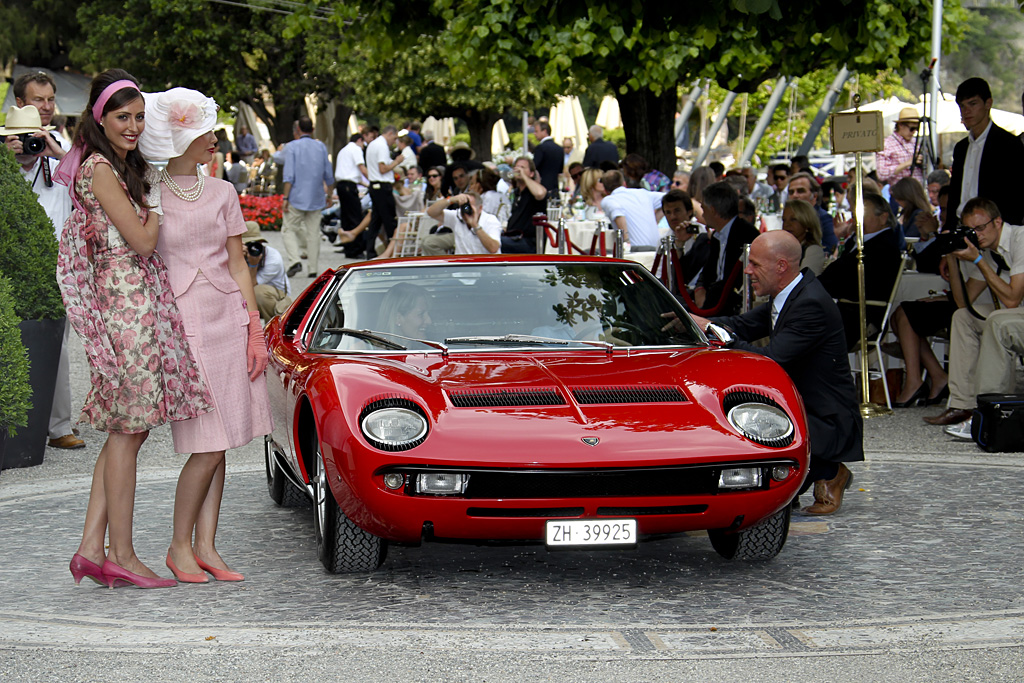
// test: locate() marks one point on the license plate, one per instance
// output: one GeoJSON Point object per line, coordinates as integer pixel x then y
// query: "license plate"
{"type": "Point", "coordinates": [575, 532]}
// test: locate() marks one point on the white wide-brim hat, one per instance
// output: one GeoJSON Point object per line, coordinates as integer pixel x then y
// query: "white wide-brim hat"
{"type": "Point", "coordinates": [174, 118]}
{"type": "Point", "coordinates": [23, 120]}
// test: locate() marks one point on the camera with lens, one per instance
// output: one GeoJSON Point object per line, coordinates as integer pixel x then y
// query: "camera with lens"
{"type": "Point", "coordinates": [693, 227]}
{"type": "Point", "coordinates": [955, 239]}
{"type": "Point", "coordinates": [466, 209]}
{"type": "Point", "coordinates": [255, 248]}
{"type": "Point", "coordinates": [30, 144]}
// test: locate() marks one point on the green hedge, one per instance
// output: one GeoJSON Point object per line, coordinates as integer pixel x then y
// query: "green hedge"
{"type": "Point", "coordinates": [28, 249]}
{"type": "Point", "coordinates": [15, 392]}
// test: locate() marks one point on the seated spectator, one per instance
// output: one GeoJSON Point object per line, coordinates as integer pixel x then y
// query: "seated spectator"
{"type": "Point", "coordinates": [755, 188]}
{"type": "Point", "coordinates": [937, 179]}
{"type": "Point", "coordinates": [456, 178]}
{"type": "Point", "coordinates": [730, 237]}
{"type": "Point", "coordinates": [914, 208]}
{"type": "Point", "coordinates": [718, 168]}
{"type": "Point", "coordinates": [997, 263]}
{"type": "Point", "coordinates": [474, 230]}
{"type": "Point", "coordinates": [237, 172]}
{"type": "Point", "coordinates": [592, 190]}
{"type": "Point", "coordinates": [804, 186]}
{"type": "Point", "coordinates": [690, 238]}
{"type": "Point", "coordinates": [699, 179]}
{"type": "Point", "coordinates": [599, 150]}
{"type": "Point", "coordinates": [801, 220]}
{"type": "Point", "coordinates": [485, 183]}
{"type": "Point", "coordinates": [529, 197]}
{"type": "Point", "coordinates": [638, 173]}
{"type": "Point", "coordinates": [681, 180]}
{"type": "Point", "coordinates": [882, 258]}
{"type": "Point", "coordinates": [778, 178]}
{"type": "Point", "coordinates": [747, 210]}
{"type": "Point", "coordinates": [801, 164]}
{"type": "Point", "coordinates": [634, 211]}
{"type": "Point", "coordinates": [737, 182]}
{"type": "Point", "coordinates": [575, 172]}
{"type": "Point", "coordinates": [413, 176]}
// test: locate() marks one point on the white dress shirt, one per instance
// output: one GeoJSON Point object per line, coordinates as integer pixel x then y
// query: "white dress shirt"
{"type": "Point", "coordinates": [780, 299]}
{"type": "Point", "coordinates": [349, 159]}
{"type": "Point", "coordinates": [972, 165]}
{"type": "Point", "coordinates": [379, 152]}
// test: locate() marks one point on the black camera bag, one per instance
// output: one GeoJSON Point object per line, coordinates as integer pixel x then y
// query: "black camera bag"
{"type": "Point", "coordinates": [998, 423]}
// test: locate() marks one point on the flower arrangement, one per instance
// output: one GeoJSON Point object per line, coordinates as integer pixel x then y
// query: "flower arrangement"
{"type": "Point", "coordinates": [266, 211]}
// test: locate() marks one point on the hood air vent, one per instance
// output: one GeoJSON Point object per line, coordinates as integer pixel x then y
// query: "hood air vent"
{"type": "Point", "coordinates": [505, 398]}
{"type": "Point", "coordinates": [621, 394]}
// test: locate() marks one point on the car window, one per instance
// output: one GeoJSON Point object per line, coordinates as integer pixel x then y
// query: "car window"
{"type": "Point", "coordinates": [468, 305]}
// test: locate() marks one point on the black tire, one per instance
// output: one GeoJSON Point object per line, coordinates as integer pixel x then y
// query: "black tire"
{"type": "Point", "coordinates": [282, 491]}
{"type": "Point", "coordinates": [341, 545]}
{"type": "Point", "coordinates": [763, 541]}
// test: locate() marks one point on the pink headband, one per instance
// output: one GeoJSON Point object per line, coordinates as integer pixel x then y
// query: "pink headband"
{"type": "Point", "coordinates": [101, 101]}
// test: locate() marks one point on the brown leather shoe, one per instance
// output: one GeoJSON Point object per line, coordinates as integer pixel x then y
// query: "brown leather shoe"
{"type": "Point", "coordinates": [828, 493]}
{"type": "Point", "coordinates": [949, 416]}
{"type": "Point", "coordinates": [67, 441]}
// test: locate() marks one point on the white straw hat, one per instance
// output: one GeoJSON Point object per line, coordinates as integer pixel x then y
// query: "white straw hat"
{"type": "Point", "coordinates": [174, 118]}
{"type": "Point", "coordinates": [23, 120]}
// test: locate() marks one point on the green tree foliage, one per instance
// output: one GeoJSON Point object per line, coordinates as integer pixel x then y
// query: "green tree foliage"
{"type": "Point", "coordinates": [230, 53]}
{"type": "Point", "coordinates": [28, 249]}
{"type": "Point", "coordinates": [37, 32]}
{"type": "Point", "coordinates": [992, 48]}
{"type": "Point", "coordinates": [15, 390]}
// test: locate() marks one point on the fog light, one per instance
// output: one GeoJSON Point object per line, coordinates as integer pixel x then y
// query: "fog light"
{"type": "Point", "coordinates": [394, 481]}
{"type": "Point", "coordinates": [740, 478]}
{"type": "Point", "coordinates": [780, 472]}
{"type": "Point", "coordinates": [442, 484]}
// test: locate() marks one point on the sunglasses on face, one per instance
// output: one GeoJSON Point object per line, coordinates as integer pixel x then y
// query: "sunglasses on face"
{"type": "Point", "coordinates": [433, 175]}
{"type": "Point", "coordinates": [575, 176]}
{"type": "Point", "coordinates": [781, 177]}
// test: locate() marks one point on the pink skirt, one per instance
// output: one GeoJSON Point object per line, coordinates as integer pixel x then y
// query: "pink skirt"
{"type": "Point", "coordinates": [216, 326]}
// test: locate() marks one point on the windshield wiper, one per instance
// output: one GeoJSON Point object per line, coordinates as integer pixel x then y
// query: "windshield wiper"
{"type": "Point", "coordinates": [528, 339]}
{"type": "Point", "coordinates": [366, 335]}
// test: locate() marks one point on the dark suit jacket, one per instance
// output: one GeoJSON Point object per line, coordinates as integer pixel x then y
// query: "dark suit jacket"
{"type": "Point", "coordinates": [549, 158]}
{"type": "Point", "coordinates": [808, 343]}
{"type": "Point", "coordinates": [432, 154]}
{"type": "Point", "coordinates": [882, 260]}
{"type": "Point", "coordinates": [598, 151]}
{"type": "Point", "coordinates": [1000, 177]}
{"type": "Point", "coordinates": [740, 234]}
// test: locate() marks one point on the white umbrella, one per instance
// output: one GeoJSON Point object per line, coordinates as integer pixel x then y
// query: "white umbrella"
{"type": "Point", "coordinates": [499, 138]}
{"type": "Point", "coordinates": [443, 129]}
{"type": "Point", "coordinates": [608, 116]}
{"type": "Point", "coordinates": [567, 121]}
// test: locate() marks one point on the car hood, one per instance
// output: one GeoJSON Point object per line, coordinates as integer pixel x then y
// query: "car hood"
{"type": "Point", "coordinates": [527, 408]}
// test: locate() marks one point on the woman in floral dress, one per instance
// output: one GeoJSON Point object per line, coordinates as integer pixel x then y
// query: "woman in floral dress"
{"type": "Point", "coordinates": [200, 240]}
{"type": "Point", "coordinates": [119, 301]}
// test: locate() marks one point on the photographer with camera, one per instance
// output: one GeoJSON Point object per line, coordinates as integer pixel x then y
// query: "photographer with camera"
{"type": "Point", "coordinates": [37, 151]}
{"type": "Point", "coordinates": [690, 238]}
{"type": "Point", "coordinates": [266, 266]}
{"type": "Point", "coordinates": [475, 231]}
{"type": "Point", "coordinates": [994, 255]}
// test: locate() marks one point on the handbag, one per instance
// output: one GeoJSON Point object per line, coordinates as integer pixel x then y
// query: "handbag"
{"type": "Point", "coordinates": [998, 423]}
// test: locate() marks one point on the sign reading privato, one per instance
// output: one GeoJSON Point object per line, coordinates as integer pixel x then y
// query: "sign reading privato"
{"type": "Point", "coordinates": [857, 132]}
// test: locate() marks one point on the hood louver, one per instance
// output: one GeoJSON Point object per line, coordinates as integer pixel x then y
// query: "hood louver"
{"type": "Point", "coordinates": [498, 398]}
{"type": "Point", "coordinates": [633, 394]}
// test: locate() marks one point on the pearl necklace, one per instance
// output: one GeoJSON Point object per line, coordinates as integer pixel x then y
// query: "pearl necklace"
{"type": "Point", "coordinates": [190, 195]}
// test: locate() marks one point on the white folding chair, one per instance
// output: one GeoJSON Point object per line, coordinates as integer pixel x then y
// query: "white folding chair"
{"type": "Point", "coordinates": [407, 235]}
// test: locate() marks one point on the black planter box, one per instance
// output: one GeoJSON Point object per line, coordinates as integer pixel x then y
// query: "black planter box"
{"type": "Point", "coordinates": [42, 338]}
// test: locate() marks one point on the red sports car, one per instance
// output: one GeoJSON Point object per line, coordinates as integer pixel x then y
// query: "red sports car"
{"type": "Point", "coordinates": [535, 399]}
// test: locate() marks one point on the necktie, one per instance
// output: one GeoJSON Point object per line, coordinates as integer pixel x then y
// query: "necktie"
{"type": "Point", "coordinates": [999, 261]}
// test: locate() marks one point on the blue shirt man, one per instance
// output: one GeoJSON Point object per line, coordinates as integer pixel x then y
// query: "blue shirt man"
{"type": "Point", "coordinates": [308, 188]}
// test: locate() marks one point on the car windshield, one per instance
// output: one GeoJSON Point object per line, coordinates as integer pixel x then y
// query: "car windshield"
{"type": "Point", "coordinates": [508, 305]}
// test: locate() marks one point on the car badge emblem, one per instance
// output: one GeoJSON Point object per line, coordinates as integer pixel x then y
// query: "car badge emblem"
{"type": "Point", "coordinates": [591, 440]}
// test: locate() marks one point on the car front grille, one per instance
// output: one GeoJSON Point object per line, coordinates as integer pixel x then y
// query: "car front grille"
{"type": "Point", "coordinates": [502, 398]}
{"type": "Point", "coordinates": [682, 482]}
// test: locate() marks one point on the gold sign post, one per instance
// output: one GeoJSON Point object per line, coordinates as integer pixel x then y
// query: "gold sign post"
{"type": "Point", "coordinates": [860, 132]}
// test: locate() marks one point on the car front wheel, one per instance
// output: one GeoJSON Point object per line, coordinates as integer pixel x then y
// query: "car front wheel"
{"type": "Point", "coordinates": [341, 545]}
{"type": "Point", "coordinates": [763, 541]}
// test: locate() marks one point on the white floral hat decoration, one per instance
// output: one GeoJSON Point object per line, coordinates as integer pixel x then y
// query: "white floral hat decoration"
{"type": "Point", "coordinates": [174, 118]}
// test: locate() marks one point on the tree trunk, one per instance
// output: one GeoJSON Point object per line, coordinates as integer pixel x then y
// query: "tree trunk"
{"type": "Point", "coordinates": [480, 124]}
{"type": "Point", "coordinates": [342, 112]}
{"type": "Point", "coordinates": [647, 120]}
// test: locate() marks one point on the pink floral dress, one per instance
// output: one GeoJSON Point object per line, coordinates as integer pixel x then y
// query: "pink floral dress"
{"type": "Point", "coordinates": [120, 304]}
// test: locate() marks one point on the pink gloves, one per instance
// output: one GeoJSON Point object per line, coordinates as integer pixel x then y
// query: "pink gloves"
{"type": "Point", "coordinates": [256, 349]}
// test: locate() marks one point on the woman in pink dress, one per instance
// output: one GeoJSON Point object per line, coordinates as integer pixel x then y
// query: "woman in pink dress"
{"type": "Point", "coordinates": [200, 240]}
{"type": "Point", "coordinates": [118, 299]}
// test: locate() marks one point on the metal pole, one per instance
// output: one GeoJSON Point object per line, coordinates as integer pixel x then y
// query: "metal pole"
{"type": "Point", "coordinates": [762, 123]}
{"type": "Point", "coordinates": [934, 85]}
{"type": "Point", "coordinates": [620, 243]}
{"type": "Point", "coordinates": [684, 115]}
{"type": "Point", "coordinates": [743, 121]}
{"type": "Point", "coordinates": [561, 235]}
{"type": "Point", "coordinates": [526, 125]}
{"type": "Point", "coordinates": [826, 107]}
{"type": "Point", "coordinates": [723, 112]}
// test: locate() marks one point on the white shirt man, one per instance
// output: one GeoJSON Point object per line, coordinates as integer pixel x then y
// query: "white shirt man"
{"type": "Point", "coordinates": [378, 152]}
{"type": "Point", "coordinates": [633, 210]}
{"type": "Point", "coordinates": [350, 167]}
{"type": "Point", "coordinates": [475, 233]}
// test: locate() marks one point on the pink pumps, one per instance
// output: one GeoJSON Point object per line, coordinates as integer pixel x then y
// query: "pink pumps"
{"type": "Point", "coordinates": [183, 576]}
{"type": "Point", "coordinates": [219, 574]}
{"type": "Point", "coordinates": [81, 567]}
{"type": "Point", "coordinates": [113, 574]}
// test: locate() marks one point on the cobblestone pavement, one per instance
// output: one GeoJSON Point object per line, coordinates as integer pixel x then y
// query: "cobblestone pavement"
{"type": "Point", "coordinates": [917, 578]}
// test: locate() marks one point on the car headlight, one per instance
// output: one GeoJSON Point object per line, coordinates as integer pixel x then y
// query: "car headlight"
{"type": "Point", "coordinates": [766, 424]}
{"type": "Point", "coordinates": [393, 424]}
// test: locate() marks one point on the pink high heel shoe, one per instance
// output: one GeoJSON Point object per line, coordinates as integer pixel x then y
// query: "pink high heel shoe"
{"type": "Point", "coordinates": [185, 577]}
{"type": "Point", "coordinates": [81, 567]}
{"type": "Point", "coordinates": [113, 573]}
{"type": "Point", "coordinates": [219, 574]}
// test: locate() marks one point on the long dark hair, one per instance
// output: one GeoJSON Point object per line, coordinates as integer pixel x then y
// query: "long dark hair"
{"type": "Point", "coordinates": [90, 136]}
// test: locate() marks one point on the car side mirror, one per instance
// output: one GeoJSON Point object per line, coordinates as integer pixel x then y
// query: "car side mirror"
{"type": "Point", "coordinates": [719, 334]}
